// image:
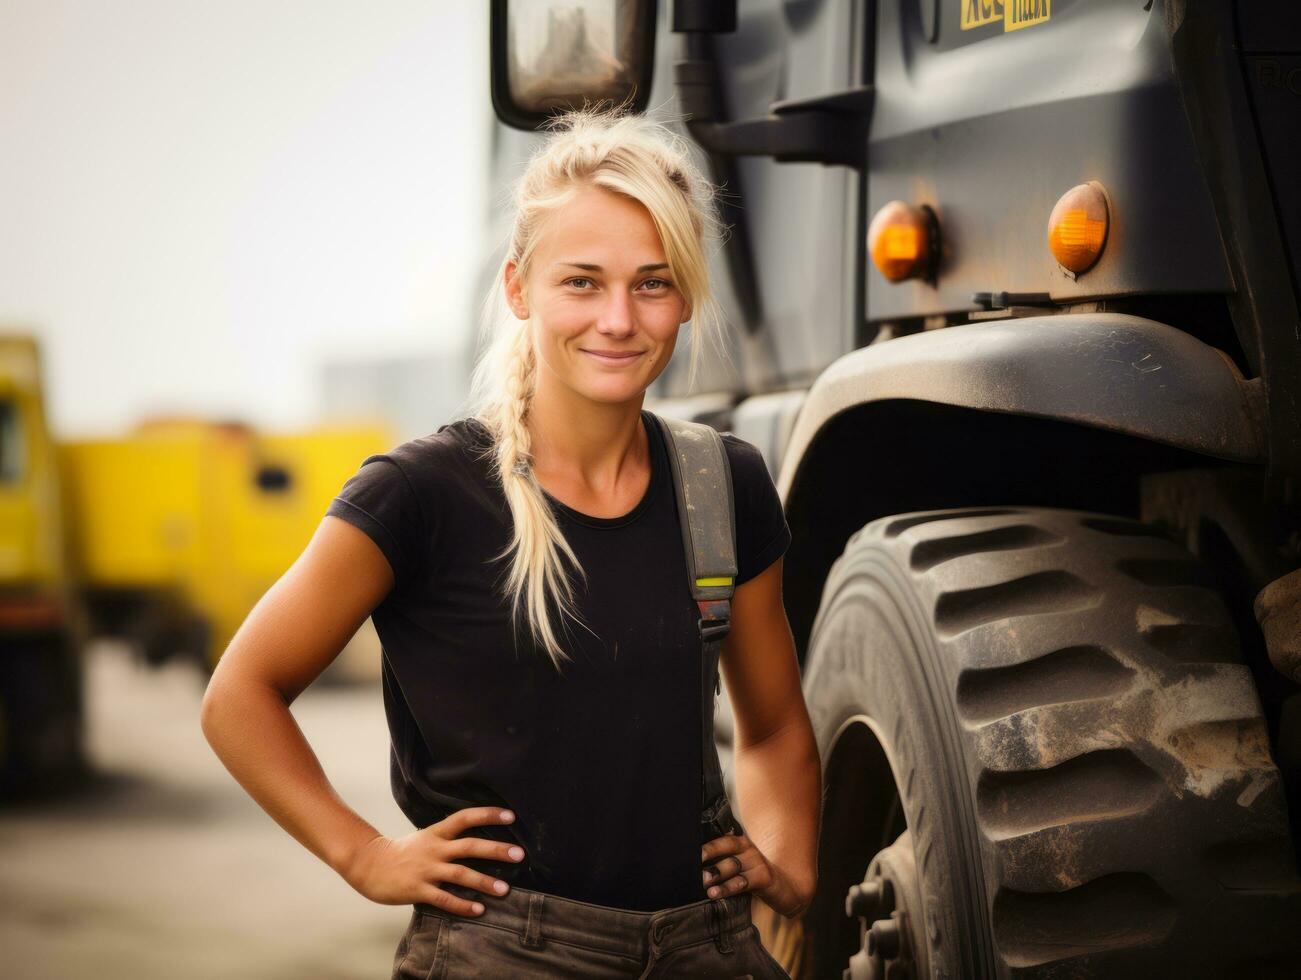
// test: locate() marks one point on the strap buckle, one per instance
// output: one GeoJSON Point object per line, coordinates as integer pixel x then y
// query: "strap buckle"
{"type": "Point", "coordinates": [715, 618]}
{"type": "Point", "coordinates": [718, 818]}
{"type": "Point", "coordinates": [715, 624]}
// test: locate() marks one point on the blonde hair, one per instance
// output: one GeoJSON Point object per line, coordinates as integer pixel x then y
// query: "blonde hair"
{"type": "Point", "coordinates": [638, 158]}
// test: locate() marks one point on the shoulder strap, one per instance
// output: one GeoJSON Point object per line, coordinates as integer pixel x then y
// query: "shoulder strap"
{"type": "Point", "coordinates": [702, 480]}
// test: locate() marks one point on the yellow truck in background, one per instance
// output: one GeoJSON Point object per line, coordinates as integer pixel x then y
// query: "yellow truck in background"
{"type": "Point", "coordinates": [179, 528]}
{"type": "Point", "coordinates": [43, 624]}
{"type": "Point", "coordinates": [165, 537]}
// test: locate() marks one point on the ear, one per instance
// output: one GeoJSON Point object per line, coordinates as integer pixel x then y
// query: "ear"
{"type": "Point", "coordinates": [686, 315]}
{"type": "Point", "coordinates": [513, 285]}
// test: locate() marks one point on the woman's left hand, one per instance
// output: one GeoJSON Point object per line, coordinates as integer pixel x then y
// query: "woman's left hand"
{"type": "Point", "coordinates": [734, 864]}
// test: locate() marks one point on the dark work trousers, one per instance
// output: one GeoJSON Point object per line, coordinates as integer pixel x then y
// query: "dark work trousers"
{"type": "Point", "coordinates": [528, 934]}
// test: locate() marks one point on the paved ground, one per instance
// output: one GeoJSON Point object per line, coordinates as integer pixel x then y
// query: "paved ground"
{"type": "Point", "coordinates": [164, 867]}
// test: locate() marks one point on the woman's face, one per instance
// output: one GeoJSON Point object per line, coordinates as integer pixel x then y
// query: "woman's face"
{"type": "Point", "coordinates": [604, 305]}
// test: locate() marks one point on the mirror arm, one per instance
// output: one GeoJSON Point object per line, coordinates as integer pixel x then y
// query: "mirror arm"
{"type": "Point", "coordinates": [704, 16]}
{"type": "Point", "coordinates": [828, 129]}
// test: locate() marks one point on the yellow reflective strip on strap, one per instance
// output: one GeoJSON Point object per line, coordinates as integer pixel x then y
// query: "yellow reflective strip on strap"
{"type": "Point", "coordinates": [719, 580]}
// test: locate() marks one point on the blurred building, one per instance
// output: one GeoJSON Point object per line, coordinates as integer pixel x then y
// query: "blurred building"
{"type": "Point", "coordinates": [415, 395]}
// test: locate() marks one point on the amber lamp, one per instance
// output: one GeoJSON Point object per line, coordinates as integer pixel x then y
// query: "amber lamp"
{"type": "Point", "coordinates": [1077, 228]}
{"type": "Point", "coordinates": [900, 241]}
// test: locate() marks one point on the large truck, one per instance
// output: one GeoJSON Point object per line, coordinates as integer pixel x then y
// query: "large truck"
{"type": "Point", "coordinates": [179, 526]}
{"type": "Point", "coordinates": [43, 623]}
{"type": "Point", "coordinates": [1015, 285]}
{"type": "Point", "coordinates": [164, 537]}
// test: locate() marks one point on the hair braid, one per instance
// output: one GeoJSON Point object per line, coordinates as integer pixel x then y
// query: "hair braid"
{"type": "Point", "coordinates": [537, 538]}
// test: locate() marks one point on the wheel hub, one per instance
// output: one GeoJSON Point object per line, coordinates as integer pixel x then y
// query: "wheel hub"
{"type": "Point", "coordinates": [888, 904]}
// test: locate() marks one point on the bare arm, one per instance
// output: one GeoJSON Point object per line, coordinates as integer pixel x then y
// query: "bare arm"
{"type": "Point", "coordinates": [293, 633]}
{"type": "Point", "coordinates": [778, 771]}
{"type": "Point", "coordinates": [287, 640]}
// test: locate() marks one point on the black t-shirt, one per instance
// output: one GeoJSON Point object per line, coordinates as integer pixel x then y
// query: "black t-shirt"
{"type": "Point", "coordinates": [601, 766]}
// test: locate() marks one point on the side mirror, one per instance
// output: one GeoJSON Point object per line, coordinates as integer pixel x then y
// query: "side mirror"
{"type": "Point", "coordinates": [553, 55]}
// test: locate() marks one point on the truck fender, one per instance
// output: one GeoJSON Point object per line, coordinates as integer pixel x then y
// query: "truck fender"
{"type": "Point", "coordinates": [1110, 371]}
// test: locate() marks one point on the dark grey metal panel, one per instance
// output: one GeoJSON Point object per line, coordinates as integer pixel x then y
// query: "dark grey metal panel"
{"type": "Point", "coordinates": [1106, 370]}
{"type": "Point", "coordinates": [990, 127]}
{"type": "Point", "coordinates": [1274, 82]}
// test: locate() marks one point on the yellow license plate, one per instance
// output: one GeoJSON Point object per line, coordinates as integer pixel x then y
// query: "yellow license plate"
{"type": "Point", "coordinates": [1012, 14]}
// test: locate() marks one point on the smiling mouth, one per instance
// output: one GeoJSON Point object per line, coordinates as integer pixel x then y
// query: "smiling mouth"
{"type": "Point", "coordinates": [613, 358]}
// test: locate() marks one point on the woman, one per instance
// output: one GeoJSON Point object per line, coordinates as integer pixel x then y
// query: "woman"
{"type": "Point", "coordinates": [541, 651]}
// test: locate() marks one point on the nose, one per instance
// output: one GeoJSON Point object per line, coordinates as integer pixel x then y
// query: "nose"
{"type": "Point", "coordinates": [616, 315]}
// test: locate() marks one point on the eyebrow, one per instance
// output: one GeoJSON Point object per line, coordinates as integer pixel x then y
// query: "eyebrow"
{"type": "Point", "coordinates": [588, 267]}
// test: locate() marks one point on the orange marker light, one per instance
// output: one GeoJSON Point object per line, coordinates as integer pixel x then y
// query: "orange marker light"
{"type": "Point", "coordinates": [900, 241]}
{"type": "Point", "coordinates": [1077, 228]}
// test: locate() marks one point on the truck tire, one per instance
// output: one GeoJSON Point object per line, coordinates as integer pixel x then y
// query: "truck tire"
{"type": "Point", "coordinates": [42, 722]}
{"type": "Point", "coordinates": [1053, 705]}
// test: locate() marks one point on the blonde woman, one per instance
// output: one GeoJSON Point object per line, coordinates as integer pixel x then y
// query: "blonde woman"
{"type": "Point", "coordinates": [524, 568]}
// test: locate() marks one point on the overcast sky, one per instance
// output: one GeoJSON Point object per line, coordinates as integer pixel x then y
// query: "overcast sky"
{"type": "Point", "coordinates": [201, 200]}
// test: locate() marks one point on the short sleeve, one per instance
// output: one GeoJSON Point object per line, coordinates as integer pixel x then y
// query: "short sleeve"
{"type": "Point", "coordinates": [762, 534]}
{"type": "Point", "coordinates": [380, 500]}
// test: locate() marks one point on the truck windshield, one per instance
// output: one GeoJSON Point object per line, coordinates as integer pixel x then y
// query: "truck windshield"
{"type": "Point", "coordinates": [11, 448]}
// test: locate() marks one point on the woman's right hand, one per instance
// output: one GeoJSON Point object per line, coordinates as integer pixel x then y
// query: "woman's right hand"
{"type": "Point", "coordinates": [406, 870]}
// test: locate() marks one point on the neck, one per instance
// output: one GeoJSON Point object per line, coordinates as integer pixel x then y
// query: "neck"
{"type": "Point", "coordinates": [576, 439]}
